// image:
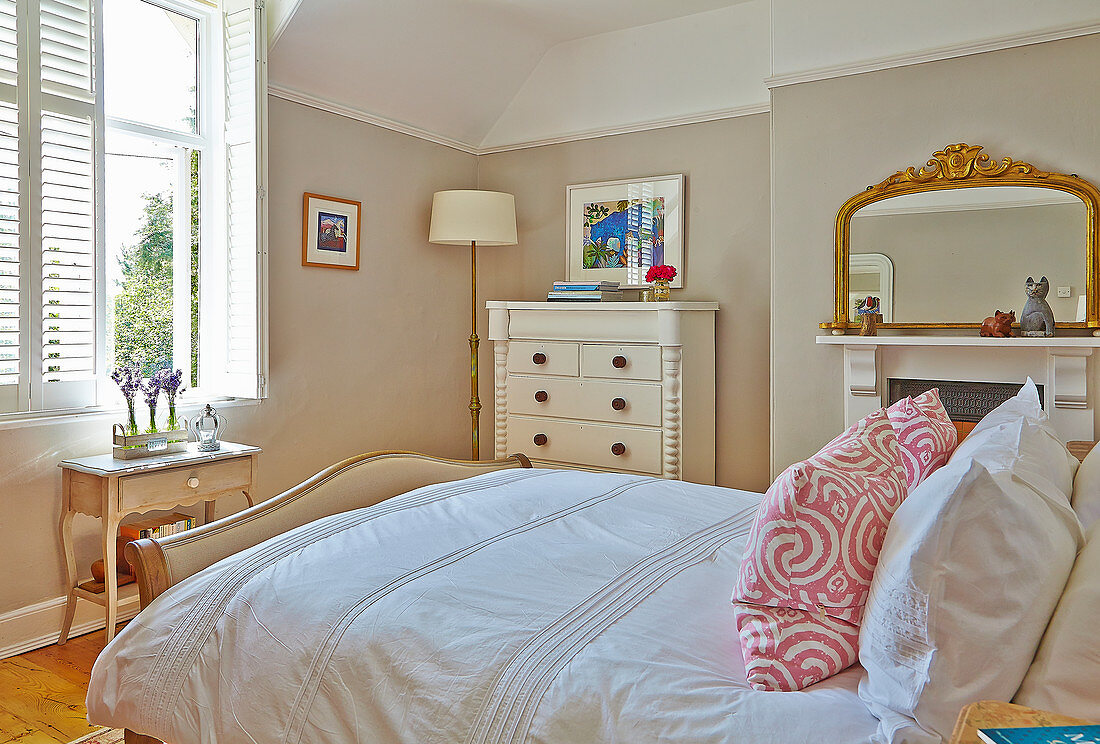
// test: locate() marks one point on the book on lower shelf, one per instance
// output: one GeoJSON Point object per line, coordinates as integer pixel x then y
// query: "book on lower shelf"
{"type": "Point", "coordinates": [156, 527]}
{"type": "Point", "coordinates": [1085, 734]}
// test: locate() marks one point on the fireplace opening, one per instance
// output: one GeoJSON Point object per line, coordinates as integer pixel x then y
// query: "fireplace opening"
{"type": "Point", "coordinates": [966, 402]}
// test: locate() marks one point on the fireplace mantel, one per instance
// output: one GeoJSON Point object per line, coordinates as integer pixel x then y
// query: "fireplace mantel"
{"type": "Point", "coordinates": [1060, 363]}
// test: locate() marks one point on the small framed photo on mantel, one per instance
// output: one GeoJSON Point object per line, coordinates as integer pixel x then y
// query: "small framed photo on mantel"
{"type": "Point", "coordinates": [330, 232]}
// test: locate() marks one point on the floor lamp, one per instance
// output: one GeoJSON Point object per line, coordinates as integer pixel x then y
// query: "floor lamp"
{"type": "Point", "coordinates": [470, 216]}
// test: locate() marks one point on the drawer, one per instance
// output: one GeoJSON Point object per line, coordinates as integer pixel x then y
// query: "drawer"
{"type": "Point", "coordinates": [586, 444]}
{"type": "Point", "coordinates": [624, 362]}
{"type": "Point", "coordinates": [544, 358]}
{"type": "Point", "coordinates": [170, 487]}
{"type": "Point", "coordinates": [592, 400]}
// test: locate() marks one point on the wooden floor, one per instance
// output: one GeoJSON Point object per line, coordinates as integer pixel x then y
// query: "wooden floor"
{"type": "Point", "coordinates": [42, 692]}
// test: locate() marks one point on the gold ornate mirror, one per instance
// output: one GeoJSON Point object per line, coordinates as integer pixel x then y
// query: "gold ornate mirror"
{"type": "Point", "coordinates": [945, 245]}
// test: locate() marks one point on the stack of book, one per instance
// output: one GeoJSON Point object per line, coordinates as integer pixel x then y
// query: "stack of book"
{"type": "Point", "coordinates": [584, 292]}
{"type": "Point", "coordinates": [153, 528]}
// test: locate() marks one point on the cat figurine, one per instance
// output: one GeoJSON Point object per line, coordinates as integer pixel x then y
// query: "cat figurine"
{"type": "Point", "coordinates": [1037, 319]}
{"type": "Point", "coordinates": [999, 324]}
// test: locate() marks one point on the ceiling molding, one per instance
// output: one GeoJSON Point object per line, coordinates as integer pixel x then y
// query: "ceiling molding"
{"type": "Point", "coordinates": [296, 96]}
{"type": "Point", "coordinates": [644, 126]}
{"type": "Point", "coordinates": [931, 55]}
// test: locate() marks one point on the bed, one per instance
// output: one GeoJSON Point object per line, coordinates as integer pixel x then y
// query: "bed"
{"type": "Point", "coordinates": [400, 598]}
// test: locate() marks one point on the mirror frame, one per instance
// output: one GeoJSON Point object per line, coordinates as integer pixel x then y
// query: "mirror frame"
{"type": "Point", "coordinates": [963, 166]}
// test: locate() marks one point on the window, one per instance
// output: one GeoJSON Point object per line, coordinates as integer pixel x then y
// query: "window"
{"type": "Point", "coordinates": [131, 209]}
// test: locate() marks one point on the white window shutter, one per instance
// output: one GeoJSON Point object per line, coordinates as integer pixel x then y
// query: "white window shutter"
{"type": "Point", "coordinates": [69, 166]}
{"type": "Point", "coordinates": [245, 360]}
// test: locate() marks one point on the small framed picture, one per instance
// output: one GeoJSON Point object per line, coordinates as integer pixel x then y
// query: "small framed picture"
{"type": "Point", "coordinates": [330, 232]}
{"type": "Point", "coordinates": [618, 229]}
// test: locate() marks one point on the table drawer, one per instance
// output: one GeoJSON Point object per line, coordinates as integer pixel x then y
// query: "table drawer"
{"type": "Point", "coordinates": [196, 482]}
{"type": "Point", "coordinates": [593, 400]}
{"type": "Point", "coordinates": [544, 358]}
{"type": "Point", "coordinates": [586, 444]}
{"type": "Point", "coordinates": [625, 362]}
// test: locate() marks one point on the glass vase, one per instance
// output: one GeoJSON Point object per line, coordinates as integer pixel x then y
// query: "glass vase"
{"type": "Point", "coordinates": [131, 421]}
{"type": "Point", "coordinates": [661, 290]}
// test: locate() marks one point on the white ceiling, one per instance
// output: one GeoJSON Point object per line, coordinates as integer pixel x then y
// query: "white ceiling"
{"type": "Point", "coordinates": [450, 67]}
{"type": "Point", "coordinates": [486, 75]}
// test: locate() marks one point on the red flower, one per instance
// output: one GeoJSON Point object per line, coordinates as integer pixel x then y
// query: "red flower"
{"type": "Point", "coordinates": [663, 271]}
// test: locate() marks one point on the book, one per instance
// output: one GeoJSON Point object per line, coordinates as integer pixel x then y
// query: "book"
{"type": "Point", "coordinates": [582, 286]}
{"type": "Point", "coordinates": [1084, 734]}
{"type": "Point", "coordinates": [173, 524]}
{"type": "Point", "coordinates": [583, 296]}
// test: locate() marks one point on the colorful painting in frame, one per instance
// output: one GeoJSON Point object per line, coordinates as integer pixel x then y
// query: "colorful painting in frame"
{"type": "Point", "coordinates": [330, 232]}
{"type": "Point", "coordinates": [618, 229]}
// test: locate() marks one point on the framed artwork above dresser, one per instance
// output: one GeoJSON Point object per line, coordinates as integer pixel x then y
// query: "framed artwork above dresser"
{"type": "Point", "coordinates": [623, 386]}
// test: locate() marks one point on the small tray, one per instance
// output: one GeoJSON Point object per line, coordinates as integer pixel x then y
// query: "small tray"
{"type": "Point", "coordinates": [133, 446]}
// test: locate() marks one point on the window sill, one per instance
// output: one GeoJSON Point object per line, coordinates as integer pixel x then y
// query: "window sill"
{"type": "Point", "coordinates": [112, 415]}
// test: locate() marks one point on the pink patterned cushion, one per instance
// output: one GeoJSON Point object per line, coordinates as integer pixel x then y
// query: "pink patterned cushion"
{"type": "Point", "coordinates": [811, 555]}
{"type": "Point", "coordinates": [926, 436]}
{"type": "Point", "coordinates": [787, 649]}
{"type": "Point", "coordinates": [818, 530]}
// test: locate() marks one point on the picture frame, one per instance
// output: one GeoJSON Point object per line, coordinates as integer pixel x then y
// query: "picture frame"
{"type": "Point", "coordinates": [616, 230]}
{"type": "Point", "coordinates": [331, 228]}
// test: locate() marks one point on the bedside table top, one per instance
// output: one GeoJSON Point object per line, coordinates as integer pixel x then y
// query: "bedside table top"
{"type": "Point", "coordinates": [996, 714]}
{"type": "Point", "coordinates": [108, 465]}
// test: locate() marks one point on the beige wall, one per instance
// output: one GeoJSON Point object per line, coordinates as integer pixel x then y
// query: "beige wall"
{"type": "Point", "coordinates": [362, 360]}
{"type": "Point", "coordinates": [943, 270]}
{"type": "Point", "coordinates": [831, 138]}
{"type": "Point", "coordinates": [727, 230]}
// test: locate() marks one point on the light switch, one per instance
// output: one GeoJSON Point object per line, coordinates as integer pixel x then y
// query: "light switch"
{"type": "Point", "coordinates": [1064, 291]}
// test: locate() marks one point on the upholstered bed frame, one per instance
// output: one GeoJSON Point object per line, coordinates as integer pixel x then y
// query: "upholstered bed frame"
{"type": "Point", "coordinates": [352, 484]}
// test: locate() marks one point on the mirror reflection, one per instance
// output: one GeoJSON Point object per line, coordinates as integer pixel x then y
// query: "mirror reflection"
{"type": "Point", "coordinates": [956, 255]}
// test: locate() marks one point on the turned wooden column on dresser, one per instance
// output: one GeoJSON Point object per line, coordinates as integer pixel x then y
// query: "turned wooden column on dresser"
{"type": "Point", "coordinates": [624, 386]}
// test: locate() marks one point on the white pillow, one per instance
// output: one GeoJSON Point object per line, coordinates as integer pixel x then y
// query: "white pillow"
{"type": "Point", "coordinates": [1086, 489]}
{"type": "Point", "coordinates": [970, 571]}
{"type": "Point", "coordinates": [1065, 676]}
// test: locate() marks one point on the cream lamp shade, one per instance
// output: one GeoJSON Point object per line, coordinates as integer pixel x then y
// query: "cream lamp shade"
{"type": "Point", "coordinates": [462, 217]}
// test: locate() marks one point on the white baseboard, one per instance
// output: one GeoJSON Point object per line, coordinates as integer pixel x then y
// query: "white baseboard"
{"type": "Point", "coordinates": [39, 625]}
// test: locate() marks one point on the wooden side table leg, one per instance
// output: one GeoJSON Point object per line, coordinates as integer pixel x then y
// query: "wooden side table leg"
{"type": "Point", "coordinates": [70, 571]}
{"type": "Point", "coordinates": [110, 556]}
{"type": "Point", "coordinates": [209, 513]}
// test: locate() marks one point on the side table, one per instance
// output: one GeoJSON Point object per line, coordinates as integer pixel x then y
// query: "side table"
{"type": "Point", "coordinates": [101, 486]}
{"type": "Point", "coordinates": [995, 714]}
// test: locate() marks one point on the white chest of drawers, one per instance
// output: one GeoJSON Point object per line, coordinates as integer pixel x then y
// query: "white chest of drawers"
{"type": "Point", "coordinates": [626, 386]}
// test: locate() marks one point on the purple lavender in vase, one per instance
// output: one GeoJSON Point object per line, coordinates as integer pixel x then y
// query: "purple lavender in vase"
{"type": "Point", "coordinates": [173, 386]}
{"type": "Point", "coordinates": [128, 379]}
{"type": "Point", "coordinates": [151, 389]}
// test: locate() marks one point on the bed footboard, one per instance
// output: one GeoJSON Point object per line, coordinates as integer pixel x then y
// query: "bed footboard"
{"type": "Point", "coordinates": [352, 484]}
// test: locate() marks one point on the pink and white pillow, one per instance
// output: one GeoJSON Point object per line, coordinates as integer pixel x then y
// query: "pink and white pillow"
{"type": "Point", "coordinates": [786, 649]}
{"type": "Point", "coordinates": [926, 436]}
{"type": "Point", "coordinates": [812, 550]}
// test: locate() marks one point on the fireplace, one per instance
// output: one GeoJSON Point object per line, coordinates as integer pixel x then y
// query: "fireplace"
{"type": "Point", "coordinates": [966, 402]}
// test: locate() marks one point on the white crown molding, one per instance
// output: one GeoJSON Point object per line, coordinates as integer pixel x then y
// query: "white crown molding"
{"type": "Point", "coordinates": [931, 55]}
{"type": "Point", "coordinates": [277, 32]}
{"type": "Point", "coordinates": [643, 126]}
{"type": "Point", "coordinates": [38, 625]}
{"type": "Point", "coordinates": [296, 96]}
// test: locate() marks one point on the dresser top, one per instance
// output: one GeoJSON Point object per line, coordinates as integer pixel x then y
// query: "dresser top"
{"type": "Point", "coordinates": [108, 465]}
{"type": "Point", "coordinates": [600, 306]}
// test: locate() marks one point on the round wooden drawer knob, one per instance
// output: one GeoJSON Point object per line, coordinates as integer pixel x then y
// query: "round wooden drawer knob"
{"type": "Point", "coordinates": [192, 482]}
{"type": "Point", "coordinates": [542, 396]}
{"type": "Point", "coordinates": [538, 358]}
{"type": "Point", "coordinates": [618, 449]}
{"type": "Point", "coordinates": [540, 439]}
{"type": "Point", "coordinates": [618, 362]}
{"type": "Point", "coordinates": [618, 404]}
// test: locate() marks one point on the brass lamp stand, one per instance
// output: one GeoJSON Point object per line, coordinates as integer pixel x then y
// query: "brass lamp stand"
{"type": "Point", "coordinates": [470, 216]}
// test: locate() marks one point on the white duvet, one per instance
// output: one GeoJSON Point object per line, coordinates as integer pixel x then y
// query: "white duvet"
{"type": "Point", "coordinates": [517, 606]}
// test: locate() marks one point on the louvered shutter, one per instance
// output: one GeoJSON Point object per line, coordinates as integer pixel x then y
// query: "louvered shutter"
{"type": "Point", "coordinates": [12, 314]}
{"type": "Point", "coordinates": [244, 370]}
{"type": "Point", "coordinates": [69, 163]}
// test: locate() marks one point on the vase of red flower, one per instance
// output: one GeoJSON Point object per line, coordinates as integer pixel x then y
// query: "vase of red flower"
{"type": "Point", "coordinates": [660, 276]}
